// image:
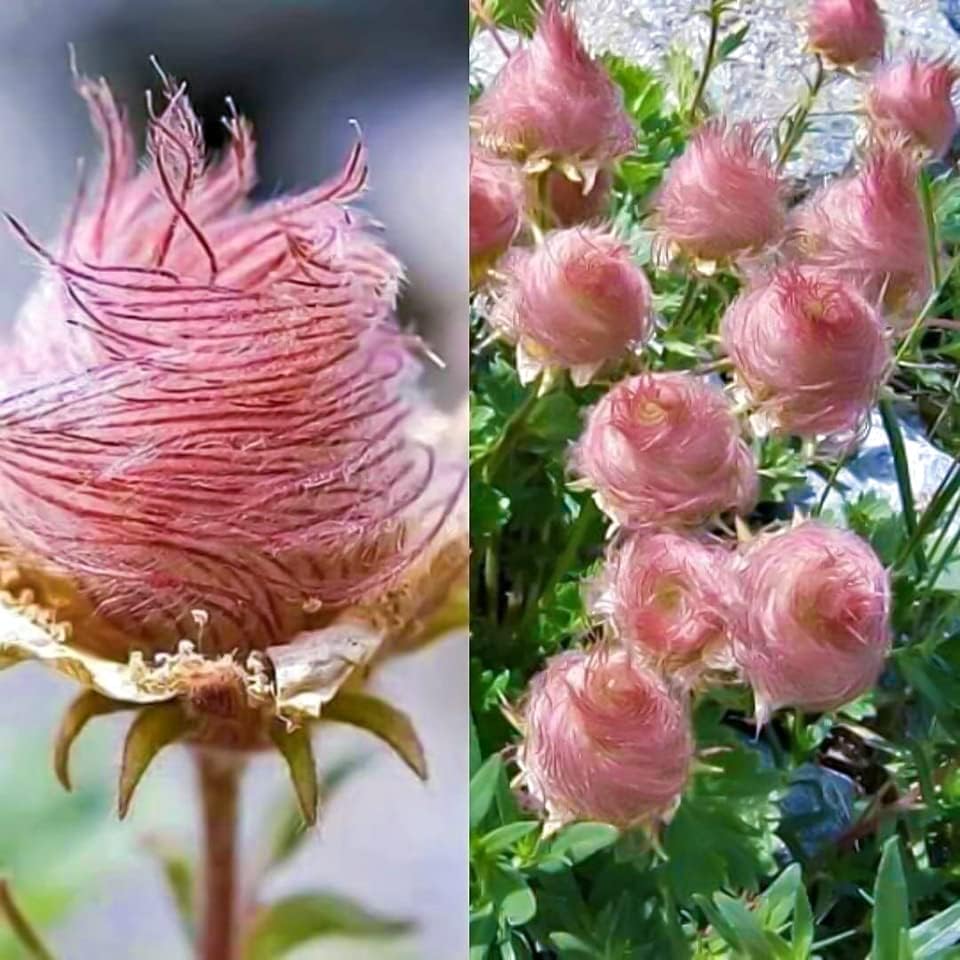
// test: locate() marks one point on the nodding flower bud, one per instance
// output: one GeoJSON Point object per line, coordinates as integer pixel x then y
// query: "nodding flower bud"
{"type": "Point", "coordinates": [552, 101]}
{"type": "Point", "coordinates": [722, 198]}
{"type": "Point", "coordinates": [913, 97]}
{"type": "Point", "coordinates": [576, 301]}
{"type": "Point", "coordinates": [810, 351]}
{"type": "Point", "coordinates": [496, 208]}
{"type": "Point", "coordinates": [571, 202]}
{"type": "Point", "coordinates": [204, 407]}
{"type": "Point", "coordinates": [605, 739]}
{"type": "Point", "coordinates": [846, 32]}
{"type": "Point", "coordinates": [672, 600]}
{"type": "Point", "coordinates": [815, 628]}
{"type": "Point", "coordinates": [665, 448]}
{"type": "Point", "coordinates": [868, 228]}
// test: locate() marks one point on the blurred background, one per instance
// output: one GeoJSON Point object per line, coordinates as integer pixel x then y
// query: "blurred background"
{"type": "Point", "coordinates": [300, 69]}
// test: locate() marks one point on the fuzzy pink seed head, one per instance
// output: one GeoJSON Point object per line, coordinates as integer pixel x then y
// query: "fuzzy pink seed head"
{"type": "Point", "coordinates": [846, 32]}
{"type": "Point", "coordinates": [914, 98]}
{"type": "Point", "coordinates": [572, 202]}
{"type": "Point", "coordinates": [722, 197]}
{"type": "Point", "coordinates": [671, 599]}
{"type": "Point", "coordinates": [868, 228]}
{"type": "Point", "coordinates": [605, 740]}
{"type": "Point", "coordinates": [204, 406]}
{"type": "Point", "coordinates": [496, 209]}
{"type": "Point", "coordinates": [815, 625]}
{"type": "Point", "coordinates": [552, 100]}
{"type": "Point", "coordinates": [576, 301]}
{"type": "Point", "coordinates": [810, 350]}
{"type": "Point", "coordinates": [665, 449]}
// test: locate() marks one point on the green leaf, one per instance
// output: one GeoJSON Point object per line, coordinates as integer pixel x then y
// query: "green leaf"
{"type": "Point", "coordinates": [891, 904]}
{"type": "Point", "coordinates": [758, 943]}
{"type": "Point", "coordinates": [511, 892]}
{"type": "Point", "coordinates": [778, 900]}
{"type": "Point", "coordinates": [940, 931]}
{"type": "Point", "coordinates": [483, 788]}
{"type": "Point", "coordinates": [381, 719]}
{"type": "Point", "coordinates": [582, 840]}
{"type": "Point", "coordinates": [732, 42]}
{"type": "Point", "coordinates": [803, 925]}
{"type": "Point", "coordinates": [293, 921]}
{"type": "Point", "coordinates": [154, 728]}
{"type": "Point", "coordinates": [297, 750]}
{"type": "Point", "coordinates": [502, 838]}
{"type": "Point", "coordinates": [84, 708]}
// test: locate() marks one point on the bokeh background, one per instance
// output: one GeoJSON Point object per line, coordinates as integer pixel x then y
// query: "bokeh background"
{"type": "Point", "coordinates": [301, 69]}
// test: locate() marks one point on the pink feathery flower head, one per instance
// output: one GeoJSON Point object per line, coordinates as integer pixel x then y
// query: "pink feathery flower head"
{"type": "Point", "coordinates": [815, 625]}
{"type": "Point", "coordinates": [204, 404]}
{"type": "Point", "coordinates": [846, 32]}
{"type": "Point", "coordinates": [572, 202]}
{"type": "Point", "coordinates": [810, 351]}
{"type": "Point", "coordinates": [496, 209]}
{"type": "Point", "coordinates": [605, 739]}
{"type": "Point", "coordinates": [552, 101]}
{"type": "Point", "coordinates": [913, 97]}
{"type": "Point", "coordinates": [722, 197]}
{"type": "Point", "coordinates": [672, 600]}
{"type": "Point", "coordinates": [576, 301]}
{"type": "Point", "coordinates": [868, 228]}
{"type": "Point", "coordinates": [665, 449]}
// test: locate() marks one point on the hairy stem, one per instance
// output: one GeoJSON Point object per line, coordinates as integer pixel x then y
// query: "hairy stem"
{"type": "Point", "coordinates": [219, 780]}
{"type": "Point", "coordinates": [799, 122]}
{"type": "Point", "coordinates": [707, 61]}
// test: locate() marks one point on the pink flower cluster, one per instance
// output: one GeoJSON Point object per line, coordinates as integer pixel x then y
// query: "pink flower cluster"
{"type": "Point", "coordinates": [203, 404]}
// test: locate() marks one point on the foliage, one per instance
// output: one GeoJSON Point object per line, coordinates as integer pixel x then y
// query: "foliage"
{"type": "Point", "coordinates": [833, 836]}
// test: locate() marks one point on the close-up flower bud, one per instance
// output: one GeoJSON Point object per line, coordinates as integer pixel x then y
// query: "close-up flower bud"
{"type": "Point", "coordinates": [847, 33]}
{"type": "Point", "coordinates": [672, 599]}
{"type": "Point", "coordinates": [551, 100]}
{"type": "Point", "coordinates": [913, 97]}
{"type": "Point", "coordinates": [868, 228]}
{"type": "Point", "coordinates": [605, 739]}
{"type": "Point", "coordinates": [496, 210]}
{"type": "Point", "coordinates": [665, 449]}
{"type": "Point", "coordinates": [576, 301]}
{"type": "Point", "coordinates": [815, 626]}
{"type": "Point", "coordinates": [810, 350]}
{"type": "Point", "coordinates": [722, 198]}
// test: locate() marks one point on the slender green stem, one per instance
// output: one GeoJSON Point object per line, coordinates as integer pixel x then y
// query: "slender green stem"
{"type": "Point", "coordinates": [26, 936]}
{"type": "Point", "coordinates": [690, 292]}
{"type": "Point", "coordinates": [828, 486]}
{"type": "Point", "coordinates": [707, 61]}
{"type": "Point", "coordinates": [945, 492]}
{"type": "Point", "coordinates": [895, 437]}
{"type": "Point", "coordinates": [219, 780]}
{"type": "Point", "coordinates": [933, 242]}
{"type": "Point", "coordinates": [511, 433]}
{"type": "Point", "coordinates": [908, 341]}
{"type": "Point", "coordinates": [799, 123]}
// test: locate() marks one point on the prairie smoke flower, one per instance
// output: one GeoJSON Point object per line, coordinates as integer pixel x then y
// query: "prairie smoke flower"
{"type": "Point", "coordinates": [846, 32]}
{"type": "Point", "coordinates": [913, 98]}
{"type": "Point", "coordinates": [722, 197]}
{"type": "Point", "coordinates": [671, 599]}
{"type": "Point", "coordinates": [810, 351]}
{"type": "Point", "coordinates": [868, 228]}
{"type": "Point", "coordinates": [815, 628]}
{"type": "Point", "coordinates": [665, 448]}
{"type": "Point", "coordinates": [205, 452]}
{"type": "Point", "coordinates": [605, 739]}
{"type": "Point", "coordinates": [552, 102]}
{"type": "Point", "coordinates": [576, 301]}
{"type": "Point", "coordinates": [496, 208]}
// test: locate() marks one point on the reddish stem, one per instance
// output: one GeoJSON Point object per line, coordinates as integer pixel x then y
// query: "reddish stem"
{"type": "Point", "coordinates": [219, 779]}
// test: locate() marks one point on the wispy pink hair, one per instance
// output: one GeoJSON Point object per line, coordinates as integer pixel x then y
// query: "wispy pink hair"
{"type": "Point", "coordinates": [846, 32]}
{"type": "Point", "coordinates": [722, 197]}
{"type": "Point", "coordinates": [815, 626]}
{"type": "Point", "coordinates": [496, 207]}
{"type": "Point", "coordinates": [810, 350]}
{"type": "Point", "coordinates": [868, 228]}
{"type": "Point", "coordinates": [576, 301]}
{"type": "Point", "coordinates": [605, 740]}
{"type": "Point", "coordinates": [913, 97]}
{"type": "Point", "coordinates": [672, 599]}
{"type": "Point", "coordinates": [204, 403]}
{"type": "Point", "coordinates": [551, 99]}
{"type": "Point", "coordinates": [665, 449]}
